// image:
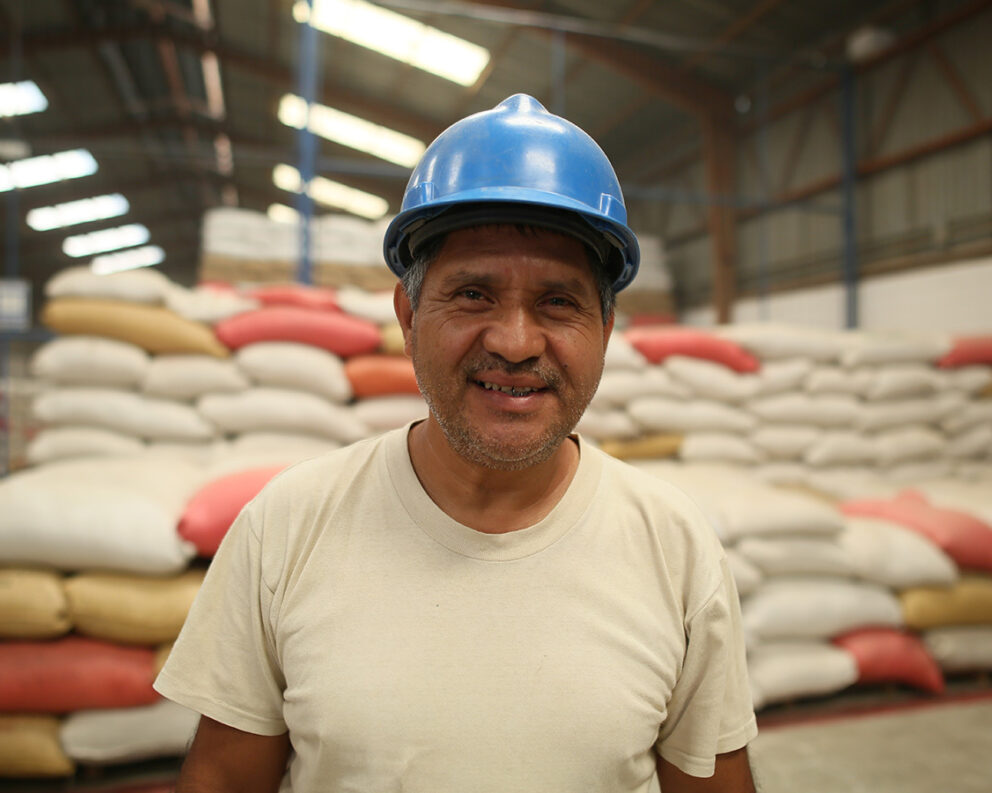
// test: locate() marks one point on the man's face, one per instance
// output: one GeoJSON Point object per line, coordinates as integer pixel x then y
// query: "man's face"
{"type": "Point", "coordinates": [507, 342]}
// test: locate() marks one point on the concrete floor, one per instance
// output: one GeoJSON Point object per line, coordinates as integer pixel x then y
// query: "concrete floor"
{"type": "Point", "coordinates": [941, 747]}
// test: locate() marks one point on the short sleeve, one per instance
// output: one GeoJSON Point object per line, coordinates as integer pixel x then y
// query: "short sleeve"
{"type": "Point", "coordinates": [710, 710]}
{"type": "Point", "coordinates": [224, 663]}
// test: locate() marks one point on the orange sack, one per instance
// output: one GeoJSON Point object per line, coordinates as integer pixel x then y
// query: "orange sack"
{"type": "Point", "coordinates": [380, 375]}
{"type": "Point", "coordinates": [74, 673]}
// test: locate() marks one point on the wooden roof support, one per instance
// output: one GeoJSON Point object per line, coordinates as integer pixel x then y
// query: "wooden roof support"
{"type": "Point", "coordinates": [719, 151]}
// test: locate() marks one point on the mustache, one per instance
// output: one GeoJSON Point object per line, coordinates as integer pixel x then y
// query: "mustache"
{"type": "Point", "coordinates": [549, 375]}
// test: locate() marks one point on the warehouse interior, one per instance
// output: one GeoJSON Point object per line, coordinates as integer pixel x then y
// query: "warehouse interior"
{"type": "Point", "coordinates": [806, 350]}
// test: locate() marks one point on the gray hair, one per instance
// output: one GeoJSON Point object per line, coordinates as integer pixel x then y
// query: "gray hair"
{"type": "Point", "coordinates": [413, 277]}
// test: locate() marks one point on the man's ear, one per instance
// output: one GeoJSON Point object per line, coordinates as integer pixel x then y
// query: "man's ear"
{"type": "Point", "coordinates": [404, 313]}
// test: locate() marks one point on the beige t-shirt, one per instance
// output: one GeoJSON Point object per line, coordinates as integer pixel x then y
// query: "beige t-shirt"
{"type": "Point", "coordinates": [405, 651]}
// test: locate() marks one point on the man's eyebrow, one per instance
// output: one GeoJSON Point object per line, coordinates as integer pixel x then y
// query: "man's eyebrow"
{"type": "Point", "coordinates": [467, 276]}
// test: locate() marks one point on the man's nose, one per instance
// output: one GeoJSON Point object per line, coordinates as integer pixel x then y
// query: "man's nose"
{"type": "Point", "coordinates": [515, 335]}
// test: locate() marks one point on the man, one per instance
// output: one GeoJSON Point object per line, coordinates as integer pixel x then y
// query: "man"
{"type": "Point", "coordinates": [478, 602]}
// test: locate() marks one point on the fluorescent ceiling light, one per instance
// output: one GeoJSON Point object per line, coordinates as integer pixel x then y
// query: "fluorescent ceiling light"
{"type": "Point", "coordinates": [352, 131]}
{"type": "Point", "coordinates": [148, 256]}
{"type": "Point", "coordinates": [73, 212]}
{"type": "Point", "coordinates": [105, 240]}
{"type": "Point", "coordinates": [280, 213]}
{"type": "Point", "coordinates": [397, 36]}
{"type": "Point", "coordinates": [46, 169]}
{"type": "Point", "coordinates": [20, 99]}
{"type": "Point", "coordinates": [332, 194]}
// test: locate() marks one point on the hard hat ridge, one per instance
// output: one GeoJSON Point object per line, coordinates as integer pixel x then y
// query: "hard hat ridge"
{"type": "Point", "coordinates": [516, 160]}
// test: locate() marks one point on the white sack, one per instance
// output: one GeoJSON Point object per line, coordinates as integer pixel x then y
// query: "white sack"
{"type": "Point", "coordinates": [788, 374]}
{"type": "Point", "coordinates": [711, 380]}
{"type": "Point", "coordinates": [972, 414]}
{"type": "Point", "coordinates": [904, 381]}
{"type": "Point", "coordinates": [840, 447]}
{"type": "Point", "coordinates": [124, 412]}
{"type": "Point", "coordinates": [970, 379]}
{"type": "Point", "coordinates": [90, 360]}
{"type": "Point", "coordinates": [660, 414]}
{"type": "Point", "coordinates": [902, 445]}
{"type": "Point", "coordinates": [99, 513]}
{"type": "Point", "coordinates": [788, 556]}
{"type": "Point", "coordinates": [850, 481]}
{"type": "Point", "coordinates": [886, 553]}
{"type": "Point", "coordinates": [961, 648]}
{"type": "Point", "coordinates": [817, 608]}
{"type": "Point", "coordinates": [778, 340]}
{"type": "Point", "coordinates": [874, 417]}
{"type": "Point", "coordinates": [617, 387]}
{"type": "Point", "coordinates": [917, 471]}
{"type": "Point", "coordinates": [976, 441]}
{"type": "Point", "coordinates": [826, 379]}
{"type": "Point", "coordinates": [186, 377]}
{"type": "Point", "coordinates": [741, 506]}
{"type": "Point", "coordinates": [782, 671]}
{"type": "Point", "coordinates": [301, 367]}
{"type": "Point", "coordinates": [868, 348]}
{"type": "Point", "coordinates": [376, 307]}
{"type": "Point", "coordinates": [293, 446]}
{"type": "Point", "coordinates": [786, 474]}
{"type": "Point", "coordinates": [830, 410]}
{"type": "Point", "coordinates": [607, 424]}
{"type": "Point", "coordinates": [747, 577]}
{"type": "Point", "coordinates": [124, 735]}
{"type": "Point", "coordinates": [282, 410]}
{"type": "Point", "coordinates": [718, 447]}
{"type": "Point", "coordinates": [207, 304]}
{"type": "Point", "coordinates": [144, 285]}
{"type": "Point", "coordinates": [384, 413]}
{"type": "Point", "coordinates": [785, 441]}
{"type": "Point", "coordinates": [621, 354]}
{"type": "Point", "coordinates": [62, 443]}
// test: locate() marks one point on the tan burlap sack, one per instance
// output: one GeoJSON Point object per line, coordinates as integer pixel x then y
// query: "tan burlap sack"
{"type": "Point", "coordinates": [30, 747]}
{"type": "Point", "coordinates": [648, 447]}
{"type": "Point", "coordinates": [968, 602]}
{"type": "Point", "coordinates": [392, 339]}
{"type": "Point", "coordinates": [32, 605]}
{"type": "Point", "coordinates": [154, 329]}
{"type": "Point", "coordinates": [131, 609]}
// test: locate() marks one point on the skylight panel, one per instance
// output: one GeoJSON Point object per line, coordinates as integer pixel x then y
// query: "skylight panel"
{"type": "Point", "coordinates": [105, 240]}
{"type": "Point", "coordinates": [21, 99]}
{"type": "Point", "coordinates": [72, 213]}
{"type": "Point", "coordinates": [352, 131]}
{"type": "Point", "coordinates": [46, 169]}
{"type": "Point", "coordinates": [332, 194]}
{"type": "Point", "coordinates": [147, 256]}
{"type": "Point", "coordinates": [397, 36]}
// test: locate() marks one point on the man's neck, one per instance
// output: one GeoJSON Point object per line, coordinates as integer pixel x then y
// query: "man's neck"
{"type": "Point", "coordinates": [487, 499]}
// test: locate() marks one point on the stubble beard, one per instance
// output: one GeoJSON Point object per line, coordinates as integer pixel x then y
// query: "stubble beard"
{"type": "Point", "coordinates": [470, 442]}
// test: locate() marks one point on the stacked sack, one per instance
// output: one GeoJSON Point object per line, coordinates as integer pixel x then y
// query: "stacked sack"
{"type": "Point", "coordinates": [765, 427]}
{"type": "Point", "coordinates": [168, 409]}
{"type": "Point", "coordinates": [155, 434]}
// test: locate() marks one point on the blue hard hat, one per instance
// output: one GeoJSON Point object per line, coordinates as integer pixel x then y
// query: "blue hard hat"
{"type": "Point", "coordinates": [515, 163]}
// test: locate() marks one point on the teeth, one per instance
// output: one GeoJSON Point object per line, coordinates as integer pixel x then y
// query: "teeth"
{"type": "Point", "coordinates": [508, 389]}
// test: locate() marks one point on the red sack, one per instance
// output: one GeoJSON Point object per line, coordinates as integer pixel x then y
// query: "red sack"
{"type": "Point", "coordinates": [338, 333]}
{"type": "Point", "coordinates": [211, 511]}
{"type": "Point", "coordinates": [381, 375]}
{"type": "Point", "coordinates": [963, 537]}
{"type": "Point", "coordinates": [967, 350]}
{"type": "Point", "coordinates": [887, 655]}
{"type": "Point", "coordinates": [658, 342]}
{"type": "Point", "coordinates": [74, 673]}
{"type": "Point", "coordinates": [298, 295]}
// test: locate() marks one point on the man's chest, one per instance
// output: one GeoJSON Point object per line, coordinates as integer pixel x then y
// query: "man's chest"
{"type": "Point", "coordinates": [426, 672]}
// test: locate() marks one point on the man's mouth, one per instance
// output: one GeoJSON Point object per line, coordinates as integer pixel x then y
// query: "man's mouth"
{"type": "Point", "coordinates": [511, 390]}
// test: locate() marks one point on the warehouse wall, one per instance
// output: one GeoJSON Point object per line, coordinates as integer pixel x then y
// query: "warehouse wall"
{"type": "Point", "coordinates": [916, 195]}
{"type": "Point", "coordinates": [953, 298]}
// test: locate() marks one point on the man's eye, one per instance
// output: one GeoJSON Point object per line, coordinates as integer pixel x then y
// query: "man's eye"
{"type": "Point", "coordinates": [559, 301]}
{"type": "Point", "coordinates": [471, 294]}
